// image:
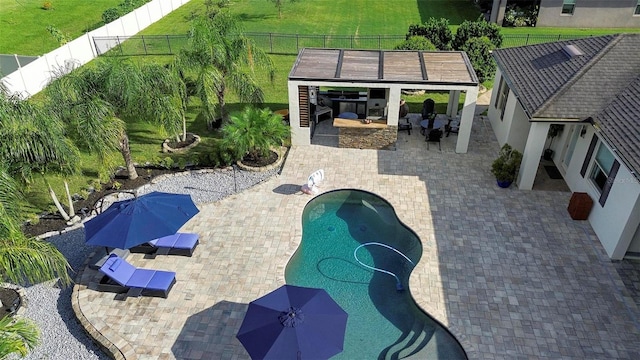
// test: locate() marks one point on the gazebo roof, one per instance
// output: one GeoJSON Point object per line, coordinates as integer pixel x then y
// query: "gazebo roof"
{"type": "Point", "coordinates": [382, 66]}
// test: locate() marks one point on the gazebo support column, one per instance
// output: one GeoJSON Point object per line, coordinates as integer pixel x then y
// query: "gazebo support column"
{"type": "Point", "coordinates": [393, 106]}
{"type": "Point", "coordinates": [452, 106]}
{"type": "Point", "coordinates": [531, 155]}
{"type": "Point", "coordinates": [466, 120]}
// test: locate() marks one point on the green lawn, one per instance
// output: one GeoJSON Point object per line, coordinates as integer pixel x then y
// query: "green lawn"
{"type": "Point", "coordinates": [338, 17]}
{"type": "Point", "coordinates": [23, 23]}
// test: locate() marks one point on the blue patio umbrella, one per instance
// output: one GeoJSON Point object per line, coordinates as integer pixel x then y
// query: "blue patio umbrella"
{"type": "Point", "coordinates": [293, 322]}
{"type": "Point", "coordinates": [132, 222]}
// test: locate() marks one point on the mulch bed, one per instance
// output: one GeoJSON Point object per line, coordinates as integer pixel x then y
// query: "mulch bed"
{"type": "Point", "coordinates": [55, 222]}
{"type": "Point", "coordinates": [260, 161]}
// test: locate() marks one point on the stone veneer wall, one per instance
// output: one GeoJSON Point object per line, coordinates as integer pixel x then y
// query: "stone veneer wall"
{"type": "Point", "coordinates": [359, 138]}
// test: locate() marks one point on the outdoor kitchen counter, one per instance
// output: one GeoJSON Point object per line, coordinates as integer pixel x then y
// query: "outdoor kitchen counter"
{"type": "Point", "coordinates": [358, 124]}
{"type": "Point", "coordinates": [355, 134]}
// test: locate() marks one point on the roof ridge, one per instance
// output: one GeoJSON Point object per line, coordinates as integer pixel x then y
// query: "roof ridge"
{"type": "Point", "coordinates": [578, 75]}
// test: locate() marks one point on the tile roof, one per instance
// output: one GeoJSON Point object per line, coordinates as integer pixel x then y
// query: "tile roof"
{"type": "Point", "coordinates": [603, 83]}
{"type": "Point", "coordinates": [619, 124]}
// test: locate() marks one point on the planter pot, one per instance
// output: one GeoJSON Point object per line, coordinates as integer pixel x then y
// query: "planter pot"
{"type": "Point", "coordinates": [548, 154]}
{"type": "Point", "coordinates": [504, 184]}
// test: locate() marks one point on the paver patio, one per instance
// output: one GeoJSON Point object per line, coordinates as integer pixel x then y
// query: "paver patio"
{"type": "Point", "coordinates": [507, 271]}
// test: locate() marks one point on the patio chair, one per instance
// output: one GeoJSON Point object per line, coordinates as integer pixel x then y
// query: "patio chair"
{"type": "Point", "coordinates": [428, 113]}
{"type": "Point", "coordinates": [434, 136]}
{"type": "Point", "coordinates": [453, 126]}
{"type": "Point", "coordinates": [99, 258]}
{"type": "Point", "coordinates": [176, 244]}
{"type": "Point", "coordinates": [123, 277]}
{"type": "Point", "coordinates": [428, 109]}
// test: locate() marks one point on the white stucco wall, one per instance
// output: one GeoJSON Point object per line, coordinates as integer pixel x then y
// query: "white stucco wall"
{"type": "Point", "coordinates": [615, 223]}
{"type": "Point", "coordinates": [589, 14]}
{"type": "Point", "coordinates": [520, 126]}
{"type": "Point", "coordinates": [501, 127]}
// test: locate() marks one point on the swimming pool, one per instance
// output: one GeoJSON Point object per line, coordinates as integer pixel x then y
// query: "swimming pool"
{"type": "Point", "coordinates": [383, 323]}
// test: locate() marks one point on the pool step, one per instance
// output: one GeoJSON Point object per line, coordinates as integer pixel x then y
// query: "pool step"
{"type": "Point", "coordinates": [392, 352]}
{"type": "Point", "coordinates": [424, 337]}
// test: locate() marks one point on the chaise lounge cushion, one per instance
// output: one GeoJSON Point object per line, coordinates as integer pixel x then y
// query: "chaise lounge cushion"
{"type": "Point", "coordinates": [176, 244]}
{"type": "Point", "coordinates": [137, 281]}
{"type": "Point", "coordinates": [177, 240]}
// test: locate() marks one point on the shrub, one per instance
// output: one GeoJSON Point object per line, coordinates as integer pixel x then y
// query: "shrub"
{"type": "Point", "coordinates": [253, 132]}
{"type": "Point", "coordinates": [476, 29]}
{"type": "Point", "coordinates": [416, 43]}
{"type": "Point", "coordinates": [47, 5]}
{"type": "Point", "coordinates": [479, 52]}
{"type": "Point", "coordinates": [60, 37]}
{"type": "Point", "coordinates": [505, 167]}
{"type": "Point", "coordinates": [435, 30]}
{"type": "Point", "coordinates": [110, 15]}
{"type": "Point", "coordinates": [517, 16]}
{"type": "Point", "coordinates": [166, 162]}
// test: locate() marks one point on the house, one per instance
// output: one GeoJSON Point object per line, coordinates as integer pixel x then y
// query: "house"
{"type": "Point", "coordinates": [580, 13]}
{"type": "Point", "coordinates": [591, 86]}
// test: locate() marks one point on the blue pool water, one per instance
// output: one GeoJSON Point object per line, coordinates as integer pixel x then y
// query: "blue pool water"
{"type": "Point", "coordinates": [383, 323]}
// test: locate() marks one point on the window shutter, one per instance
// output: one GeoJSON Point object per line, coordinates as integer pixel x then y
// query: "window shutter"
{"type": "Point", "coordinates": [587, 158]}
{"type": "Point", "coordinates": [609, 183]}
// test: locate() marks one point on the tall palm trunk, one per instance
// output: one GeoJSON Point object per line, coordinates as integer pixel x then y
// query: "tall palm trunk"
{"type": "Point", "coordinates": [126, 154]}
{"type": "Point", "coordinates": [222, 103]}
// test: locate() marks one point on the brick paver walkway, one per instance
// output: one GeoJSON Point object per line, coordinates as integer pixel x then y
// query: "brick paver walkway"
{"type": "Point", "coordinates": [507, 271]}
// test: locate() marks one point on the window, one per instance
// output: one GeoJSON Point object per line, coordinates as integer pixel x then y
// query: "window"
{"type": "Point", "coordinates": [501, 97]}
{"type": "Point", "coordinates": [637, 11]}
{"type": "Point", "coordinates": [601, 167]}
{"type": "Point", "coordinates": [568, 6]}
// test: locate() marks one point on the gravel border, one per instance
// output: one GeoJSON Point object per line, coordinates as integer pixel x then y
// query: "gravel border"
{"type": "Point", "coordinates": [62, 336]}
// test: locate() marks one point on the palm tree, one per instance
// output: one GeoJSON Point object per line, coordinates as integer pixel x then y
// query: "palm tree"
{"type": "Point", "coordinates": [222, 59]}
{"type": "Point", "coordinates": [17, 336]}
{"type": "Point", "coordinates": [254, 132]}
{"type": "Point", "coordinates": [93, 100]}
{"type": "Point", "coordinates": [33, 140]}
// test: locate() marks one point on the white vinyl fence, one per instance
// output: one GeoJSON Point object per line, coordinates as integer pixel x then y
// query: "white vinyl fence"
{"type": "Point", "coordinates": [33, 77]}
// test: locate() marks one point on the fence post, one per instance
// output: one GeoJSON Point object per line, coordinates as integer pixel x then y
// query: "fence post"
{"type": "Point", "coordinates": [169, 44]}
{"type": "Point", "coordinates": [324, 41]}
{"type": "Point", "coordinates": [119, 45]}
{"type": "Point", "coordinates": [297, 43]}
{"type": "Point", "coordinates": [351, 36]}
{"type": "Point", "coordinates": [271, 41]}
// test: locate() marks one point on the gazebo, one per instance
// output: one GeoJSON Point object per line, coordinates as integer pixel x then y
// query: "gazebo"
{"type": "Point", "coordinates": [368, 83]}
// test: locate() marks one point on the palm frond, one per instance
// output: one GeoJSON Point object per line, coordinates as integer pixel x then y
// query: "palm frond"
{"type": "Point", "coordinates": [25, 260]}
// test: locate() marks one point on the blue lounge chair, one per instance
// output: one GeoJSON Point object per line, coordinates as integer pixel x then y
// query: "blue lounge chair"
{"type": "Point", "coordinates": [135, 281]}
{"type": "Point", "coordinates": [176, 244]}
